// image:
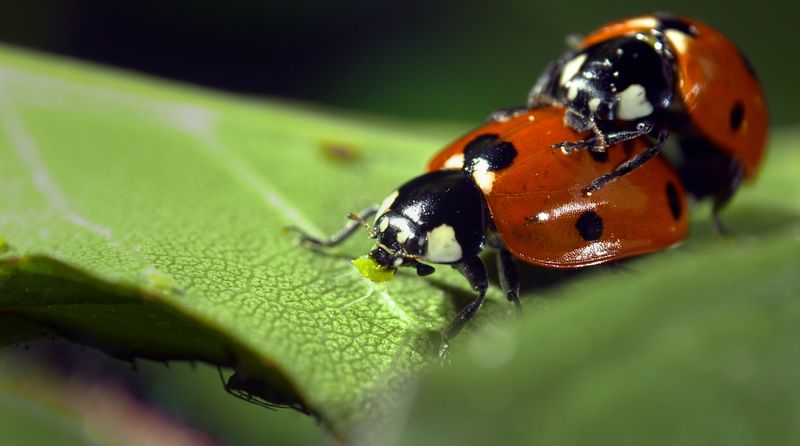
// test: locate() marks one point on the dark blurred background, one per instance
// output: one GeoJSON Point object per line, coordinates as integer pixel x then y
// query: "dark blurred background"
{"type": "Point", "coordinates": [449, 60]}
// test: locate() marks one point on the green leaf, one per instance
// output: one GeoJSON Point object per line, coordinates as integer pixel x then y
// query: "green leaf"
{"type": "Point", "coordinates": [697, 345]}
{"type": "Point", "coordinates": [148, 220]}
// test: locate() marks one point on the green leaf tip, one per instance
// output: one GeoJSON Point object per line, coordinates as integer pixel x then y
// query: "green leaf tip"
{"type": "Point", "coordinates": [370, 269]}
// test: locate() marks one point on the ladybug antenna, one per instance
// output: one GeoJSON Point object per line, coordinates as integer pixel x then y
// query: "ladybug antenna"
{"type": "Point", "coordinates": [363, 223]}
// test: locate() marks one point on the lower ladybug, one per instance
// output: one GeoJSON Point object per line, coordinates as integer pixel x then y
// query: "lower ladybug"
{"type": "Point", "coordinates": [661, 72]}
{"type": "Point", "coordinates": [503, 186]}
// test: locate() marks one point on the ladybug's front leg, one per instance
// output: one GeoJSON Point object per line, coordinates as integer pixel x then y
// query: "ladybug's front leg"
{"type": "Point", "coordinates": [339, 237]}
{"type": "Point", "coordinates": [602, 140]}
{"type": "Point", "coordinates": [474, 271]}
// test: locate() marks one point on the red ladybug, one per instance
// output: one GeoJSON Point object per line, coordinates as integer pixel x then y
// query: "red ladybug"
{"type": "Point", "coordinates": [503, 186]}
{"type": "Point", "coordinates": [661, 72]}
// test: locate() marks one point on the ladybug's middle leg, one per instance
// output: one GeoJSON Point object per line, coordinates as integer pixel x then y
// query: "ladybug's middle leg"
{"type": "Point", "coordinates": [509, 280]}
{"type": "Point", "coordinates": [506, 270]}
{"type": "Point", "coordinates": [628, 166]}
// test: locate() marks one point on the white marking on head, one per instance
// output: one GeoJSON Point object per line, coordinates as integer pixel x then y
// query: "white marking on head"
{"type": "Point", "coordinates": [455, 162]}
{"type": "Point", "coordinates": [442, 245]}
{"type": "Point", "coordinates": [572, 93]}
{"type": "Point", "coordinates": [386, 204]}
{"type": "Point", "coordinates": [593, 104]}
{"type": "Point", "coordinates": [397, 262]}
{"type": "Point", "coordinates": [482, 176]}
{"type": "Point", "coordinates": [571, 68]}
{"type": "Point", "coordinates": [384, 223]}
{"type": "Point", "coordinates": [402, 236]}
{"type": "Point", "coordinates": [632, 103]}
{"type": "Point", "coordinates": [678, 40]}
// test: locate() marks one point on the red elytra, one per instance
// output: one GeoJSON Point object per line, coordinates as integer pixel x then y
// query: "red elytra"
{"type": "Point", "coordinates": [537, 202]}
{"type": "Point", "coordinates": [717, 86]}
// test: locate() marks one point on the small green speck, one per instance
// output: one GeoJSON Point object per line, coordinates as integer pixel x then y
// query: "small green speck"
{"type": "Point", "coordinates": [370, 269]}
{"type": "Point", "coordinates": [161, 281]}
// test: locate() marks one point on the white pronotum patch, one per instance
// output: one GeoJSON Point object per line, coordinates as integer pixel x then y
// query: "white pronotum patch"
{"type": "Point", "coordinates": [572, 93]}
{"type": "Point", "coordinates": [386, 204]}
{"type": "Point", "coordinates": [482, 176]}
{"type": "Point", "coordinates": [679, 40]}
{"type": "Point", "coordinates": [455, 162]}
{"type": "Point", "coordinates": [442, 245]}
{"type": "Point", "coordinates": [644, 22]}
{"type": "Point", "coordinates": [571, 68]}
{"type": "Point", "coordinates": [632, 103]}
{"type": "Point", "coordinates": [384, 223]}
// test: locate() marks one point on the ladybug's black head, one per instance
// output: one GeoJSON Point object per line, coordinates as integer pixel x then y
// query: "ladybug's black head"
{"type": "Point", "coordinates": [400, 241]}
{"type": "Point", "coordinates": [438, 217]}
{"type": "Point", "coordinates": [625, 78]}
{"type": "Point", "coordinates": [389, 260]}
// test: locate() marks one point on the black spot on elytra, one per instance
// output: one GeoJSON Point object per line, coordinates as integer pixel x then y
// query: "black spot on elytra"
{"type": "Point", "coordinates": [478, 143]}
{"type": "Point", "coordinates": [600, 157]}
{"type": "Point", "coordinates": [674, 201]}
{"type": "Point", "coordinates": [676, 23]}
{"type": "Point", "coordinates": [497, 154]}
{"type": "Point", "coordinates": [737, 116]}
{"type": "Point", "coordinates": [590, 226]}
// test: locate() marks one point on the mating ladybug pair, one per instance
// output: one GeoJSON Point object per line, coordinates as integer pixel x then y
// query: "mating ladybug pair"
{"type": "Point", "coordinates": [613, 101]}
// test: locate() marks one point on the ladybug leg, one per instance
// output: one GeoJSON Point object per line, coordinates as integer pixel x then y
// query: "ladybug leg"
{"type": "Point", "coordinates": [543, 92]}
{"type": "Point", "coordinates": [723, 196]}
{"type": "Point", "coordinates": [509, 280]}
{"type": "Point", "coordinates": [474, 271]}
{"type": "Point", "coordinates": [339, 237]}
{"type": "Point", "coordinates": [628, 166]}
{"type": "Point", "coordinates": [603, 140]}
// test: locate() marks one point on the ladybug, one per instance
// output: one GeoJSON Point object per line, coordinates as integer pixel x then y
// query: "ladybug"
{"type": "Point", "coordinates": [502, 186]}
{"type": "Point", "coordinates": [647, 74]}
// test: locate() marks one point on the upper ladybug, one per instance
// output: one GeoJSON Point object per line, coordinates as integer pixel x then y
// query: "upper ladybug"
{"type": "Point", "coordinates": [659, 72]}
